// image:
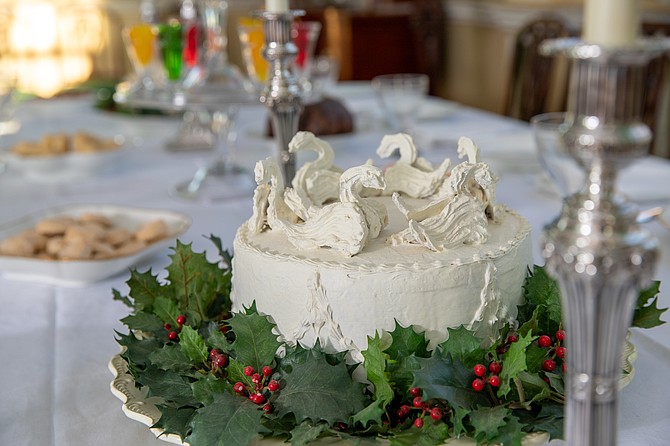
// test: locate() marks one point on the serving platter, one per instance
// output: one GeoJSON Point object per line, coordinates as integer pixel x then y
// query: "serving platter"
{"type": "Point", "coordinates": [84, 272]}
{"type": "Point", "coordinates": [139, 407]}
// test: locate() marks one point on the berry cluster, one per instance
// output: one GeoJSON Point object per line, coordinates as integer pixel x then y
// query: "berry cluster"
{"type": "Point", "coordinates": [219, 360]}
{"type": "Point", "coordinates": [262, 386]}
{"type": "Point", "coordinates": [486, 375]}
{"type": "Point", "coordinates": [421, 408]}
{"type": "Point", "coordinates": [173, 335]}
{"type": "Point", "coordinates": [555, 351]}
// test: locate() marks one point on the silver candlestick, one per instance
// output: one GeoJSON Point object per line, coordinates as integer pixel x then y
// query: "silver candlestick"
{"type": "Point", "coordinates": [282, 93]}
{"type": "Point", "coordinates": [598, 254]}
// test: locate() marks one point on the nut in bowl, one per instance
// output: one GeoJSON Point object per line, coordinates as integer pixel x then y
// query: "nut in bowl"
{"type": "Point", "coordinates": [63, 156]}
{"type": "Point", "coordinates": [82, 244]}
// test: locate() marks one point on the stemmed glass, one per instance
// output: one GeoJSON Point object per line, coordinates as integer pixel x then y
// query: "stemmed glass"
{"type": "Point", "coordinates": [401, 95]}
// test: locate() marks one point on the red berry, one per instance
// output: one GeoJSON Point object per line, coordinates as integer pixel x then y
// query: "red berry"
{"type": "Point", "coordinates": [494, 381]}
{"type": "Point", "coordinates": [213, 352]}
{"type": "Point", "coordinates": [549, 365]}
{"type": "Point", "coordinates": [256, 378]}
{"type": "Point", "coordinates": [220, 361]}
{"type": "Point", "coordinates": [436, 413]}
{"type": "Point", "coordinates": [173, 336]}
{"type": "Point", "coordinates": [544, 341]}
{"type": "Point", "coordinates": [257, 398]}
{"type": "Point", "coordinates": [479, 370]}
{"type": "Point", "coordinates": [267, 408]}
{"type": "Point", "coordinates": [167, 326]}
{"type": "Point", "coordinates": [273, 386]}
{"type": "Point", "coordinates": [418, 423]}
{"type": "Point", "coordinates": [546, 380]}
{"type": "Point", "coordinates": [248, 371]}
{"type": "Point", "coordinates": [267, 371]}
{"type": "Point", "coordinates": [560, 335]}
{"type": "Point", "coordinates": [239, 388]}
{"type": "Point", "coordinates": [415, 391]}
{"type": "Point", "coordinates": [478, 385]}
{"type": "Point", "coordinates": [181, 319]}
{"type": "Point", "coordinates": [416, 402]}
{"type": "Point", "coordinates": [404, 410]}
{"type": "Point", "coordinates": [495, 368]}
{"type": "Point", "coordinates": [560, 352]}
{"type": "Point", "coordinates": [512, 338]}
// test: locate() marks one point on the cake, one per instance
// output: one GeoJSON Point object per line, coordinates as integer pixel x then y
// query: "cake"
{"type": "Point", "coordinates": [429, 248]}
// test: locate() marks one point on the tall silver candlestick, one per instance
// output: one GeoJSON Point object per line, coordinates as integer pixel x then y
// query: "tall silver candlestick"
{"type": "Point", "coordinates": [282, 93]}
{"type": "Point", "coordinates": [600, 257]}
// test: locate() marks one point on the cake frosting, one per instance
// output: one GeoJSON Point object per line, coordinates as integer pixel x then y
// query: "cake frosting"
{"type": "Point", "coordinates": [415, 244]}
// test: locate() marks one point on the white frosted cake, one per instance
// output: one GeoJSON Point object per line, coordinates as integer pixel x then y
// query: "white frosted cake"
{"type": "Point", "coordinates": [339, 256]}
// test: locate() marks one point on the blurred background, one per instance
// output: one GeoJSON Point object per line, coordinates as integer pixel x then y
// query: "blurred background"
{"type": "Point", "coordinates": [481, 53]}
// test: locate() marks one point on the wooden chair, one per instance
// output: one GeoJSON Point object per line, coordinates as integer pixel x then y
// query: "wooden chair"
{"type": "Point", "coordinates": [537, 83]}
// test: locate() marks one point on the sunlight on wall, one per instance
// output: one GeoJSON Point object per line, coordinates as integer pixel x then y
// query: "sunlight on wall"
{"type": "Point", "coordinates": [47, 47]}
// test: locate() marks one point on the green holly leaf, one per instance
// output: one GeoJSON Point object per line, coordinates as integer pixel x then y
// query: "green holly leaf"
{"type": "Point", "coordinates": [145, 322]}
{"type": "Point", "coordinates": [550, 419]}
{"type": "Point", "coordinates": [511, 433]}
{"type": "Point", "coordinates": [235, 371]}
{"type": "Point", "coordinates": [306, 433]}
{"type": "Point", "coordinates": [556, 382]}
{"type": "Point", "coordinates": [647, 314]}
{"type": "Point", "coordinates": [193, 345]}
{"type": "Point", "coordinates": [170, 357]}
{"type": "Point", "coordinates": [535, 355]}
{"type": "Point", "coordinates": [374, 363]}
{"type": "Point", "coordinates": [464, 345]}
{"type": "Point", "coordinates": [207, 387]}
{"type": "Point", "coordinates": [254, 344]}
{"type": "Point", "coordinates": [402, 372]}
{"type": "Point", "coordinates": [371, 414]}
{"type": "Point", "coordinates": [144, 289]}
{"type": "Point", "coordinates": [167, 310]}
{"type": "Point", "coordinates": [457, 419]}
{"type": "Point", "coordinates": [535, 388]}
{"type": "Point", "coordinates": [116, 295]}
{"type": "Point", "coordinates": [514, 362]}
{"type": "Point", "coordinates": [196, 282]}
{"type": "Point", "coordinates": [448, 379]}
{"type": "Point", "coordinates": [169, 385]}
{"type": "Point", "coordinates": [430, 434]}
{"type": "Point", "coordinates": [226, 257]}
{"type": "Point", "coordinates": [540, 289]}
{"type": "Point", "coordinates": [137, 350]}
{"type": "Point", "coordinates": [215, 338]}
{"type": "Point", "coordinates": [175, 420]}
{"type": "Point", "coordinates": [229, 420]}
{"type": "Point", "coordinates": [488, 420]}
{"type": "Point", "coordinates": [317, 391]}
{"type": "Point", "coordinates": [407, 342]}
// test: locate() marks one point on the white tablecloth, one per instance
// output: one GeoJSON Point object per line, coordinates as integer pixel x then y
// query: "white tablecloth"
{"type": "Point", "coordinates": [55, 342]}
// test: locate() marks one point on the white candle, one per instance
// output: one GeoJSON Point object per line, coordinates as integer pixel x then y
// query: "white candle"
{"type": "Point", "coordinates": [611, 23]}
{"type": "Point", "coordinates": [276, 5]}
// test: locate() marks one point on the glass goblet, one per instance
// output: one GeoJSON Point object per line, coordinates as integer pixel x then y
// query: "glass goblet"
{"type": "Point", "coordinates": [552, 153]}
{"type": "Point", "coordinates": [400, 96]}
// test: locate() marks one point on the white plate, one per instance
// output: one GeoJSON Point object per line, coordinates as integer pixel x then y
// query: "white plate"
{"type": "Point", "coordinates": [71, 165]}
{"type": "Point", "coordinates": [84, 272]}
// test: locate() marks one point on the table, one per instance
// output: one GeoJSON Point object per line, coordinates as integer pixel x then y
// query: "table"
{"type": "Point", "coordinates": [55, 342]}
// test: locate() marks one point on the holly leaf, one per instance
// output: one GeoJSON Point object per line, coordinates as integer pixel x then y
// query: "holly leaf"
{"type": "Point", "coordinates": [514, 362]}
{"type": "Point", "coordinates": [306, 433]}
{"type": "Point", "coordinates": [207, 387]}
{"type": "Point", "coordinates": [170, 357]}
{"type": "Point", "coordinates": [144, 289]}
{"type": "Point", "coordinates": [143, 321]}
{"type": "Point", "coordinates": [196, 282]}
{"type": "Point", "coordinates": [447, 378]}
{"type": "Point", "coordinates": [511, 433]}
{"type": "Point", "coordinates": [429, 435]}
{"type": "Point", "coordinates": [550, 419]}
{"type": "Point", "coordinates": [407, 342]}
{"type": "Point", "coordinates": [216, 339]}
{"type": "Point", "coordinates": [457, 419]}
{"type": "Point", "coordinates": [374, 363]}
{"type": "Point", "coordinates": [372, 413]}
{"type": "Point", "coordinates": [116, 295]}
{"type": "Point", "coordinates": [167, 384]}
{"type": "Point", "coordinates": [137, 350]}
{"type": "Point", "coordinates": [193, 345]}
{"type": "Point", "coordinates": [175, 420]}
{"type": "Point", "coordinates": [229, 421]}
{"type": "Point", "coordinates": [487, 421]}
{"type": "Point", "coordinates": [254, 344]}
{"type": "Point", "coordinates": [402, 372]}
{"type": "Point", "coordinates": [167, 310]}
{"type": "Point", "coordinates": [535, 388]}
{"type": "Point", "coordinates": [540, 289]}
{"type": "Point", "coordinates": [647, 314]}
{"type": "Point", "coordinates": [235, 371]}
{"type": "Point", "coordinates": [317, 391]}
{"type": "Point", "coordinates": [464, 345]}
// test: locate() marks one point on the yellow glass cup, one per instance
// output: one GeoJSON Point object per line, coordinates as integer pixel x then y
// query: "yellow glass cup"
{"type": "Point", "coordinates": [252, 40]}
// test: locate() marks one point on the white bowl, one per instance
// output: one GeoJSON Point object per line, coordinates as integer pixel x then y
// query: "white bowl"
{"type": "Point", "coordinates": [84, 272]}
